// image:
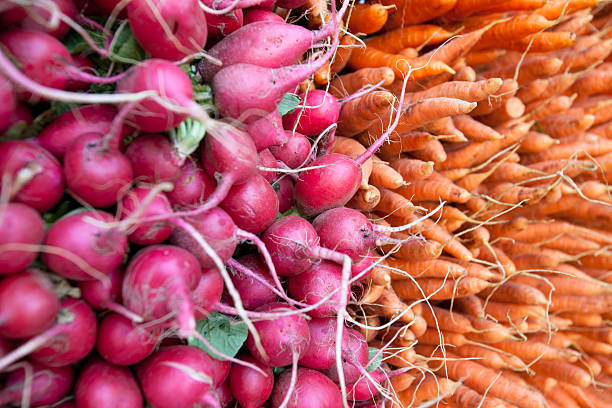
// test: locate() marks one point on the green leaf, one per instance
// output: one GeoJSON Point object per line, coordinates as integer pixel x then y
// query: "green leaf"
{"type": "Point", "coordinates": [291, 211]}
{"type": "Point", "coordinates": [288, 103]}
{"type": "Point", "coordinates": [373, 363]}
{"type": "Point", "coordinates": [278, 370]}
{"type": "Point", "coordinates": [225, 334]}
{"type": "Point", "coordinates": [125, 48]}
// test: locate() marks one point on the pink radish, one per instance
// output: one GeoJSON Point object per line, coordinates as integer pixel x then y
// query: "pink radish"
{"type": "Point", "coordinates": [147, 233]}
{"type": "Point", "coordinates": [250, 388]}
{"type": "Point", "coordinates": [7, 102]}
{"type": "Point", "coordinates": [154, 159]}
{"type": "Point", "coordinates": [224, 395]}
{"type": "Point", "coordinates": [101, 384]}
{"type": "Point", "coordinates": [192, 187]}
{"type": "Point", "coordinates": [254, 14]}
{"type": "Point", "coordinates": [321, 109]}
{"type": "Point", "coordinates": [83, 64]}
{"type": "Point", "coordinates": [284, 191]}
{"type": "Point", "coordinates": [266, 131]}
{"type": "Point", "coordinates": [294, 152]}
{"type": "Point", "coordinates": [312, 389]}
{"type": "Point", "coordinates": [122, 342]}
{"type": "Point", "coordinates": [66, 7]}
{"type": "Point", "coordinates": [49, 384]}
{"type": "Point", "coordinates": [252, 292]}
{"type": "Point", "coordinates": [21, 115]}
{"type": "Point", "coordinates": [207, 293]}
{"type": "Point", "coordinates": [268, 161]}
{"type": "Point", "coordinates": [321, 351]}
{"type": "Point", "coordinates": [364, 389]}
{"type": "Point", "coordinates": [20, 225]}
{"type": "Point", "coordinates": [222, 26]}
{"type": "Point", "coordinates": [354, 358]}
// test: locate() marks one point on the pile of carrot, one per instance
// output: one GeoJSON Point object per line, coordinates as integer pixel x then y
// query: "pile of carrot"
{"type": "Point", "coordinates": [498, 168]}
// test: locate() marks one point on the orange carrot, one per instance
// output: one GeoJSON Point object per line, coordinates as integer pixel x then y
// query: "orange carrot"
{"type": "Point", "coordinates": [576, 60]}
{"type": "Point", "coordinates": [367, 18]}
{"type": "Point", "coordinates": [559, 126]}
{"type": "Point", "coordinates": [416, 11]}
{"type": "Point", "coordinates": [432, 151]}
{"type": "Point", "coordinates": [353, 148]}
{"type": "Point", "coordinates": [512, 108]}
{"type": "Point", "coordinates": [532, 90]}
{"type": "Point", "coordinates": [559, 83]}
{"type": "Point", "coordinates": [438, 288]}
{"type": "Point", "coordinates": [322, 75]}
{"type": "Point", "coordinates": [465, 74]}
{"type": "Point", "coordinates": [584, 319]}
{"type": "Point", "coordinates": [365, 199]}
{"type": "Point", "coordinates": [347, 84]}
{"type": "Point", "coordinates": [513, 292]}
{"type": "Point", "coordinates": [439, 318]}
{"type": "Point", "coordinates": [358, 114]}
{"type": "Point", "coordinates": [517, 27]}
{"type": "Point", "coordinates": [434, 268]}
{"type": "Point", "coordinates": [506, 91]}
{"type": "Point", "coordinates": [433, 336]}
{"type": "Point", "coordinates": [397, 144]}
{"type": "Point", "coordinates": [583, 304]}
{"type": "Point", "coordinates": [544, 42]}
{"type": "Point", "coordinates": [408, 53]}
{"type": "Point", "coordinates": [426, 388]}
{"type": "Point", "coordinates": [342, 55]}
{"type": "Point", "coordinates": [414, 249]}
{"type": "Point", "coordinates": [411, 169]}
{"type": "Point", "coordinates": [589, 345]}
{"type": "Point", "coordinates": [399, 335]}
{"type": "Point", "coordinates": [532, 350]}
{"type": "Point", "coordinates": [384, 176]}
{"type": "Point", "coordinates": [428, 190]}
{"type": "Point", "coordinates": [563, 371]}
{"type": "Point", "coordinates": [475, 130]}
{"type": "Point", "coordinates": [513, 311]}
{"type": "Point", "coordinates": [394, 203]}
{"type": "Point", "coordinates": [402, 381]}
{"type": "Point", "coordinates": [466, 91]}
{"type": "Point", "coordinates": [593, 82]}
{"type": "Point", "coordinates": [555, 8]}
{"type": "Point", "coordinates": [482, 355]}
{"type": "Point", "coordinates": [471, 305]}
{"type": "Point", "coordinates": [468, 398]}
{"type": "Point", "coordinates": [510, 172]}
{"type": "Point", "coordinates": [530, 69]}
{"type": "Point", "coordinates": [369, 320]}
{"type": "Point", "coordinates": [444, 127]}
{"type": "Point", "coordinates": [582, 397]}
{"type": "Point", "coordinates": [516, 5]}
{"type": "Point", "coordinates": [410, 36]}
{"type": "Point", "coordinates": [539, 110]}
{"type": "Point", "coordinates": [390, 306]}
{"type": "Point", "coordinates": [535, 142]}
{"type": "Point", "coordinates": [478, 57]}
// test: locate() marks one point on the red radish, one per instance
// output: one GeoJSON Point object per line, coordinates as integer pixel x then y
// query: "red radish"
{"type": "Point", "coordinates": [267, 131]}
{"type": "Point", "coordinates": [312, 389]}
{"type": "Point", "coordinates": [258, 14]}
{"type": "Point", "coordinates": [5, 346]}
{"type": "Point", "coordinates": [354, 358]}
{"type": "Point", "coordinates": [163, 77]}
{"type": "Point", "coordinates": [28, 304]}
{"type": "Point", "coordinates": [82, 244]}
{"type": "Point", "coordinates": [35, 176]}
{"type": "Point", "coordinates": [345, 230]}
{"type": "Point", "coordinates": [7, 102]}
{"type": "Point", "coordinates": [38, 13]}
{"type": "Point", "coordinates": [177, 376]}
{"type": "Point", "coordinates": [364, 389]}
{"type": "Point", "coordinates": [252, 292]}
{"type": "Point", "coordinates": [312, 286]}
{"type": "Point", "coordinates": [267, 160]}
{"type": "Point", "coordinates": [106, 6]}
{"type": "Point", "coordinates": [253, 205]}
{"type": "Point", "coordinates": [224, 395]}
{"type": "Point", "coordinates": [96, 171]}
{"type": "Point", "coordinates": [49, 384]}
{"type": "Point", "coordinates": [19, 224]}
{"type": "Point", "coordinates": [321, 109]}
{"type": "Point", "coordinates": [221, 26]}
{"type": "Point", "coordinates": [21, 114]}
{"type": "Point", "coordinates": [154, 159]}
{"type": "Point", "coordinates": [221, 371]}
{"type": "Point", "coordinates": [41, 57]}
{"type": "Point", "coordinates": [294, 152]}
{"type": "Point", "coordinates": [250, 388]}
{"type": "Point", "coordinates": [101, 384]}
{"type": "Point", "coordinates": [168, 30]}
{"type": "Point", "coordinates": [290, 4]}
{"type": "Point", "coordinates": [362, 266]}
{"type": "Point", "coordinates": [84, 64]}
{"type": "Point", "coordinates": [60, 133]}
{"type": "Point", "coordinates": [283, 339]}
{"type": "Point", "coordinates": [12, 15]}
{"type": "Point", "coordinates": [122, 342]}
{"type": "Point", "coordinates": [158, 281]}
{"type": "Point", "coordinates": [147, 233]}
{"type": "Point", "coordinates": [106, 294]}
{"type": "Point", "coordinates": [321, 351]}
{"type": "Point", "coordinates": [284, 191]}
{"type": "Point", "coordinates": [192, 187]}
{"type": "Point", "coordinates": [207, 293]}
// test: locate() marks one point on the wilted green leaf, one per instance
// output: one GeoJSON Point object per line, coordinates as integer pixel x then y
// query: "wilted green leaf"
{"type": "Point", "coordinates": [288, 103]}
{"type": "Point", "coordinates": [125, 48]}
{"type": "Point", "coordinates": [374, 363]}
{"type": "Point", "coordinates": [224, 334]}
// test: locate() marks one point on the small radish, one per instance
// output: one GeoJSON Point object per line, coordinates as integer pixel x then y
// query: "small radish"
{"type": "Point", "coordinates": [147, 233]}
{"type": "Point", "coordinates": [21, 115]}
{"type": "Point", "coordinates": [19, 225]}
{"type": "Point", "coordinates": [321, 351]}
{"type": "Point", "coordinates": [32, 175]}
{"type": "Point", "coordinates": [250, 388]}
{"type": "Point", "coordinates": [122, 342]}
{"type": "Point", "coordinates": [48, 384]}
{"type": "Point", "coordinates": [284, 191]}
{"type": "Point", "coordinates": [364, 389]}
{"type": "Point", "coordinates": [321, 109]}
{"type": "Point", "coordinates": [154, 159]}
{"type": "Point", "coordinates": [222, 26]}
{"type": "Point", "coordinates": [7, 102]}
{"type": "Point", "coordinates": [266, 160]}
{"type": "Point", "coordinates": [362, 266]}
{"type": "Point", "coordinates": [170, 30]}
{"type": "Point", "coordinates": [294, 152]}
{"type": "Point", "coordinates": [38, 14]}
{"type": "Point", "coordinates": [354, 358]}
{"type": "Point", "coordinates": [28, 304]}
{"type": "Point", "coordinates": [83, 64]}
{"type": "Point", "coordinates": [96, 171]}
{"type": "Point", "coordinates": [252, 292]}
{"type": "Point", "coordinates": [192, 187]}
{"type": "Point", "coordinates": [266, 131]}
{"type": "Point", "coordinates": [221, 371]}
{"type": "Point", "coordinates": [254, 14]}
{"type": "Point", "coordinates": [207, 293]}
{"type": "Point", "coordinates": [81, 245]}
{"type": "Point", "coordinates": [106, 6]}
{"type": "Point", "coordinates": [311, 389]}
{"type": "Point", "coordinates": [224, 395]}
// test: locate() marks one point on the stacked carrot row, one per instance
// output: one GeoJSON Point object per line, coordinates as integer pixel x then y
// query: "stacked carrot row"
{"type": "Point", "coordinates": [502, 296]}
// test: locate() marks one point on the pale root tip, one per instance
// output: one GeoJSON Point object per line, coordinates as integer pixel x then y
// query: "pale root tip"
{"type": "Point", "coordinates": [471, 106]}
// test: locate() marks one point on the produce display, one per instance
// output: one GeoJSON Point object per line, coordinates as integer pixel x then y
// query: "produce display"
{"type": "Point", "coordinates": [303, 204]}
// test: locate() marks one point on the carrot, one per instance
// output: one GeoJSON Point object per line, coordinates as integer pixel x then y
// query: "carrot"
{"type": "Point", "coordinates": [411, 169]}
{"type": "Point", "coordinates": [605, 361]}
{"type": "Point", "coordinates": [434, 268]}
{"type": "Point", "coordinates": [478, 57]}
{"type": "Point", "coordinates": [602, 260]}
{"type": "Point", "coordinates": [593, 82]}
{"type": "Point", "coordinates": [589, 345]}
{"type": "Point", "coordinates": [533, 350]}
{"type": "Point", "coordinates": [583, 319]}
{"type": "Point", "coordinates": [384, 176]}
{"type": "Point", "coordinates": [562, 398]}
{"type": "Point", "coordinates": [397, 144]}
{"type": "Point", "coordinates": [544, 42]}
{"type": "Point", "coordinates": [358, 114]}
{"type": "Point", "coordinates": [432, 151]}
{"type": "Point", "coordinates": [399, 335]}
{"type": "Point", "coordinates": [563, 371]}
{"type": "Point", "coordinates": [582, 304]}
{"type": "Point", "coordinates": [559, 83]}
{"type": "Point", "coordinates": [396, 356]}
{"type": "Point", "coordinates": [518, 26]}
{"type": "Point", "coordinates": [433, 336]}
{"type": "Point", "coordinates": [365, 199]}
{"type": "Point", "coordinates": [371, 293]}
{"type": "Point", "coordinates": [488, 331]}
{"type": "Point", "coordinates": [604, 130]}
{"type": "Point", "coordinates": [408, 53]}
{"type": "Point", "coordinates": [438, 288]}
{"type": "Point", "coordinates": [530, 69]}
{"type": "Point", "coordinates": [411, 36]}
{"type": "Point", "coordinates": [429, 190]}
{"type": "Point", "coordinates": [574, 23]}
{"type": "Point", "coordinates": [465, 74]}
{"type": "Point", "coordinates": [535, 142]}
{"type": "Point", "coordinates": [347, 84]}
{"type": "Point", "coordinates": [342, 55]}
{"type": "Point", "coordinates": [505, 312]}
{"type": "Point", "coordinates": [322, 75]}
{"type": "Point", "coordinates": [472, 305]}
{"type": "Point", "coordinates": [532, 90]}
{"type": "Point", "coordinates": [512, 108]}
{"type": "Point", "coordinates": [510, 172]}
{"type": "Point", "coordinates": [516, 5]}
{"type": "Point", "coordinates": [511, 194]}
{"type": "Point", "coordinates": [402, 381]}
{"type": "Point", "coordinates": [426, 388]}
{"type": "Point", "coordinates": [555, 8]}
{"type": "Point", "coordinates": [444, 127]}
{"type": "Point", "coordinates": [539, 110]}
{"type": "Point", "coordinates": [603, 334]}
{"type": "Point", "coordinates": [367, 18]}
{"type": "Point", "coordinates": [443, 319]}
{"type": "Point", "coordinates": [416, 11]}
{"type": "Point", "coordinates": [466, 91]}
{"type": "Point", "coordinates": [353, 148]}
{"type": "Point", "coordinates": [394, 203]}
{"type": "Point", "coordinates": [468, 398]}
{"type": "Point", "coordinates": [482, 355]}
{"type": "Point", "coordinates": [465, 8]}
{"type": "Point", "coordinates": [369, 320]}
{"type": "Point", "coordinates": [506, 91]}
{"type": "Point", "coordinates": [475, 130]}
{"type": "Point", "coordinates": [583, 397]}
{"type": "Point", "coordinates": [391, 307]}
{"type": "Point", "coordinates": [577, 60]}
{"type": "Point", "coordinates": [513, 292]}
{"type": "Point", "coordinates": [560, 126]}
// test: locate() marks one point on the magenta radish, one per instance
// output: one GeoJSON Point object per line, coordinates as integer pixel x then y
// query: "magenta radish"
{"type": "Point", "coordinates": [192, 187]}
{"type": "Point", "coordinates": [224, 395]}
{"type": "Point", "coordinates": [5, 346]}
{"type": "Point", "coordinates": [122, 342]}
{"type": "Point", "coordinates": [221, 371]}
{"type": "Point", "coordinates": [283, 339]}
{"type": "Point", "coordinates": [41, 57]}
{"type": "Point", "coordinates": [354, 358]}
{"type": "Point", "coordinates": [222, 26]}
{"type": "Point", "coordinates": [65, 7]}
{"type": "Point", "coordinates": [168, 30]}
{"type": "Point", "coordinates": [321, 110]}
{"type": "Point", "coordinates": [136, 201]}
{"type": "Point", "coordinates": [284, 191]}
{"type": "Point", "coordinates": [177, 376]}
{"type": "Point", "coordinates": [7, 102]}
{"type": "Point", "coordinates": [96, 172]}
{"type": "Point", "coordinates": [252, 292]}
{"type": "Point", "coordinates": [207, 293]}
{"type": "Point", "coordinates": [28, 304]}
{"type": "Point", "coordinates": [266, 160]}
{"type": "Point", "coordinates": [321, 351]}
{"type": "Point", "coordinates": [21, 115]}
{"type": "Point", "coordinates": [170, 83]}
{"type": "Point", "coordinates": [253, 205]}
{"type": "Point", "coordinates": [254, 14]}
{"type": "Point", "coordinates": [315, 284]}
{"type": "Point", "coordinates": [12, 15]}
{"type": "Point", "coordinates": [49, 384]}
{"type": "Point", "coordinates": [83, 250]}
{"type": "Point", "coordinates": [250, 388]}
{"type": "Point", "coordinates": [32, 175]}
{"type": "Point", "coordinates": [363, 266]}
{"type": "Point", "coordinates": [312, 389]}
{"type": "Point", "coordinates": [19, 225]}
{"type": "Point", "coordinates": [364, 389]}
{"type": "Point", "coordinates": [154, 159]}
{"type": "Point", "coordinates": [60, 133]}
{"type": "Point", "coordinates": [294, 152]}
{"type": "Point", "coordinates": [158, 281]}
{"type": "Point", "coordinates": [266, 131]}
{"type": "Point", "coordinates": [83, 64]}
{"type": "Point", "coordinates": [106, 6]}
{"type": "Point", "coordinates": [101, 384]}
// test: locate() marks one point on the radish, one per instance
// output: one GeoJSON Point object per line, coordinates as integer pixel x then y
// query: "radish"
{"type": "Point", "coordinates": [312, 389]}
{"type": "Point", "coordinates": [96, 171]}
{"type": "Point", "coordinates": [7, 102]}
{"type": "Point", "coordinates": [354, 358]}
{"type": "Point", "coordinates": [122, 342]}
{"type": "Point", "coordinates": [101, 384]}
{"type": "Point", "coordinates": [12, 15]}
{"type": "Point", "coordinates": [147, 233]}
{"type": "Point", "coordinates": [224, 395]}
{"type": "Point", "coordinates": [20, 115]}
{"type": "Point", "coordinates": [31, 174]}
{"type": "Point", "coordinates": [220, 26]}
{"type": "Point", "coordinates": [83, 64]}
{"type": "Point", "coordinates": [294, 152]}
{"type": "Point", "coordinates": [65, 343]}
{"type": "Point", "coordinates": [268, 161]}
{"type": "Point", "coordinates": [221, 371]}
{"type": "Point", "coordinates": [177, 376]}
{"type": "Point", "coordinates": [105, 6]}
{"type": "Point", "coordinates": [21, 232]}
{"type": "Point", "coordinates": [284, 191]}
{"type": "Point", "coordinates": [250, 388]}
{"type": "Point", "coordinates": [283, 339]}
{"type": "Point", "coordinates": [28, 304]}
{"type": "Point", "coordinates": [192, 187]}
{"type": "Point", "coordinates": [60, 133]}
{"type": "Point", "coordinates": [154, 159]}
{"type": "Point", "coordinates": [267, 131]}
{"type": "Point", "coordinates": [158, 281]}
{"type": "Point", "coordinates": [320, 110]}
{"type": "Point", "coordinates": [254, 14]}
{"type": "Point", "coordinates": [362, 267]}
{"type": "Point", "coordinates": [41, 56]}
{"type": "Point", "coordinates": [37, 14]}
{"type": "Point", "coordinates": [207, 293]}
{"type": "Point", "coordinates": [170, 30]}
{"type": "Point", "coordinates": [321, 351]}
{"type": "Point", "coordinates": [82, 250]}
{"type": "Point", "coordinates": [253, 205]}
{"type": "Point", "coordinates": [48, 384]}
{"type": "Point", "coordinates": [364, 389]}
{"type": "Point", "coordinates": [252, 292]}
